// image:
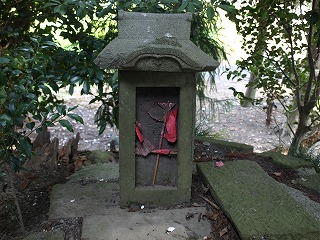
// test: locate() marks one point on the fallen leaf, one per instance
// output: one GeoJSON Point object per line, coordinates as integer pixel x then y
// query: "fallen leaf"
{"type": "Point", "coordinates": [219, 164]}
{"type": "Point", "coordinates": [277, 174]}
{"type": "Point", "coordinates": [223, 231]}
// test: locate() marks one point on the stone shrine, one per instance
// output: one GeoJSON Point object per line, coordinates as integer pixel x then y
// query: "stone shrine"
{"type": "Point", "coordinates": [157, 64]}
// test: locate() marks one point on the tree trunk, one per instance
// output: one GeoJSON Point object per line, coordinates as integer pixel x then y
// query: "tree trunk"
{"type": "Point", "coordinates": [16, 201]}
{"type": "Point", "coordinates": [250, 92]}
{"type": "Point", "coordinates": [288, 127]}
{"type": "Point", "coordinates": [302, 129]}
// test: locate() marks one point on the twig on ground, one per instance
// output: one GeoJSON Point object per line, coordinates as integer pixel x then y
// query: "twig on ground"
{"type": "Point", "coordinates": [215, 206]}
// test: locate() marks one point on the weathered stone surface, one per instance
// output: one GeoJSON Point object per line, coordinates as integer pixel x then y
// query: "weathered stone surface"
{"type": "Point", "coordinates": [146, 225]}
{"type": "Point", "coordinates": [154, 42]}
{"type": "Point", "coordinates": [46, 236]}
{"type": "Point", "coordinates": [258, 205]}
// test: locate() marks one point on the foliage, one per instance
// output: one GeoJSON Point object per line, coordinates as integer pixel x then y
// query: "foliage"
{"type": "Point", "coordinates": [27, 97]}
{"type": "Point", "coordinates": [282, 40]}
{"type": "Point", "coordinates": [46, 45]}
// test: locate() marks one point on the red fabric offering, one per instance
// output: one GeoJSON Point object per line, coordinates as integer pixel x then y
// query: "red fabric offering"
{"type": "Point", "coordinates": [163, 151]}
{"type": "Point", "coordinates": [171, 126]}
{"type": "Point", "coordinates": [138, 132]}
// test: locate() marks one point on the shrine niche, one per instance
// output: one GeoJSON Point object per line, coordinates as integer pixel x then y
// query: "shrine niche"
{"type": "Point", "coordinates": [157, 65]}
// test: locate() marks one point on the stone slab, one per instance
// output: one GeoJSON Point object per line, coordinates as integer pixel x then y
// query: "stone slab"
{"type": "Point", "coordinates": [259, 207]}
{"type": "Point", "coordinates": [287, 161]}
{"type": "Point", "coordinates": [120, 224]}
{"type": "Point", "coordinates": [74, 200]}
{"type": "Point", "coordinates": [45, 236]}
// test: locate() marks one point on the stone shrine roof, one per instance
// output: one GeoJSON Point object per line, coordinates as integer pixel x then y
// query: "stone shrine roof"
{"type": "Point", "coordinates": [154, 42]}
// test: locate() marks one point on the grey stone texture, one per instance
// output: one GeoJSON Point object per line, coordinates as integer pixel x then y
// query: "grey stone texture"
{"type": "Point", "coordinates": [154, 42]}
{"type": "Point", "coordinates": [97, 202]}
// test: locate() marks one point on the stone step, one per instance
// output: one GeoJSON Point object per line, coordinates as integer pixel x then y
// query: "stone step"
{"type": "Point", "coordinates": [259, 207]}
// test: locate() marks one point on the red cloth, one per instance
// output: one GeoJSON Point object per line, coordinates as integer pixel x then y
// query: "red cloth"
{"type": "Point", "coordinates": [171, 126]}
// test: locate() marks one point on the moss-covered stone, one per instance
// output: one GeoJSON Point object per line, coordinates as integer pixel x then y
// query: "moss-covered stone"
{"type": "Point", "coordinates": [287, 161]}
{"type": "Point", "coordinates": [259, 207]}
{"type": "Point", "coordinates": [107, 172]}
{"type": "Point", "coordinates": [311, 182]}
{"type": "Point", "coordinates": [226, 145]}
{"type": "Point", "coordinates": [98, 156]}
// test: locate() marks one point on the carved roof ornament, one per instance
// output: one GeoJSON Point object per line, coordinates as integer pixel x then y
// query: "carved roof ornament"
{"type": "Point", "coordinates": [154, 42]}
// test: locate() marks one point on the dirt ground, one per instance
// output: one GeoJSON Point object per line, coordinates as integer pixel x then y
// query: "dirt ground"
{"type": "Point", "coordinates": [231, 122]}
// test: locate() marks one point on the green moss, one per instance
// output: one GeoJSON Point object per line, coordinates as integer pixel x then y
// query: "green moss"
{"type": "Point", "coordinates": [287, 161]}
{"type": "Point", "coordinates": [98, 156]}
{"type": "Point", "coordinates": [311, 181]}
{"type": "Point", "coordinates": [258, 206]}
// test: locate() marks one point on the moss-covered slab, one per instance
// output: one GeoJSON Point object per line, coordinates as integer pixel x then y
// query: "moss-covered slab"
{"type": "Point", "coordinates": [259, 207]}
{"type": "Point", "coordinates": [310, 181]}
{"type": "Point", "coordinates": [226, 145]}
{"type": "Point", "coordinates": [287, 161]}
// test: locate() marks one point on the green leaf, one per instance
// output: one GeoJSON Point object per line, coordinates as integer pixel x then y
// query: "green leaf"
{"type": "Point", "coordinates": [183, 5]}
{"type": "Point", "coordinates": [49, 4]}
{"type": "Point", "coordinates": [54, 117]}
{"type": "Point", "coordinates": [4, 60]}
{"type": "Point", "coordinates": [61, 9]}
{"type": "Point", "coordinates": [100, 75]}
{"type": "Point", "coordinates": [104, 11]}
{"type": "Point", "coordinates": [75, 117]}
{"type": "Point", "coordinates": [25, 146]}
{"type": "Point", "coordinates": [62, 109]}
{"type": "Point", "coordinates": [102, 128]}
{"type": "Point", "coordinates": [16, 72]}
{"type": "Point", "coordinates": [81, 12]}
{"type": "Point", "coordinates": [210, 13]}
{"type": "Point", "coordinates": [72, 108]}
{"type": "Point", "coordinates": [11, 107]}
{"type": "Point", "coordinates": [45, 89]}
{"type": "Point", "coordinates": [191, 7]}
{"type": "Point", "coordinates": [50, 43]}
{"type": "Point", "coordinates": [65, 123]}
{"type": "Point", "coordinates": [69, 1]}
{"type": "Point", "coordinates": [75, 79]}
{"type": "Point", "coordinates": [71, 89]}
{"type": "Point", "coordinates": [314, 18]}
{"type": "Point", "coordinates": [30, 125]}
{"type": "Point", "coordinates": [5, 120]}
{"type": "Point", "coordinates": [3, 78]}
{"type": "Point", "coordinates": [26, 49]}
{"type": "Point", "coordinates": [169, 1]}
{"type": "Point", "coordinates": [228, 8]}
{"type": "Point", "coordinates": [86, 87]}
